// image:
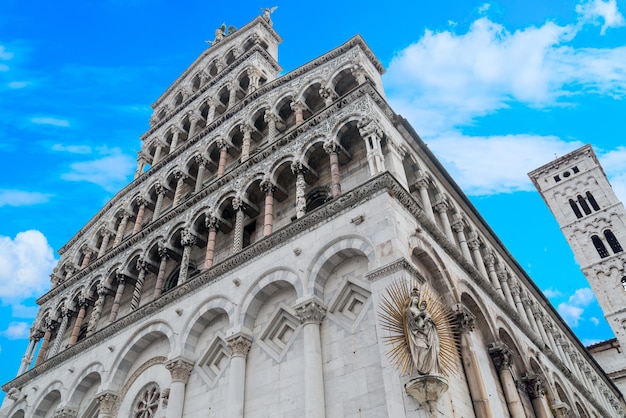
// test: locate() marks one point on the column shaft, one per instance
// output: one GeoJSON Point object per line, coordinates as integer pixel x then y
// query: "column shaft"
{"type": "Point", "coordinates": [121, 284]}
{"type": "Point", "coordinates": [41, 356]}
{"type": "Point", "coordinates": [139, 219]}
{"type": "Point", "coordinates": [210, 247]}
{"type": "Point", "coordinates": [79, 323]}
{"type": "Point", "coordinates": [158, 288]}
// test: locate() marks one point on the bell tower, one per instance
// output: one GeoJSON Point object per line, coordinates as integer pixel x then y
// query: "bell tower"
{"type": "Point", "coordinates": [593, 220]}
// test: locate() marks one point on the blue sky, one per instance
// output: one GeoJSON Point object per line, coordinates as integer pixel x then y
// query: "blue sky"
{"type": "Point", "coordinates": [496, 89]}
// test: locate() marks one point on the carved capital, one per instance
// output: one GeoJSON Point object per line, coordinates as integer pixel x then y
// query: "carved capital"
{"type": "Point", "coordinates": [162, 249]}
{"type": "Point", "coordinates": [298, 168]}
{"type": "Point", "coordinates": [187, 239]}
{"type": "Point", "coordinates": [106, 401]}
{"type": "Point", "coordinates": [246, 129]}
{"type": "Point", "coordinates": [534, 385]}
{"type": "Point", "coordinates": [179, 174]}
{"type": "Point", "coordinates": [501, 355]}
{"type": "Point", "coordinates": [441, 205]}
{"type": "Point", "coordinates": [240, 346]}
{"type": "Point", "coordinates": [142, 264]}
{"type": "Point", "coordinates": [200, 160]}
{"type": "Point", "coordinates": [331, 147]}
{"type": "Point", "coordinates": [159, 188]}
{"type": "Point", "coordinates": [270, 116]}
{"type": "Point", "coordinates": [311, 312]}
{"type": "Point", "coordinates": [211, 222]}
{"type": "Point", "coordinates": [465, 320]}
{"type": "Point", "coordinates": [65, 412]}
{"type": "Point", "coordinates": [267, 187]}
{"type": "Point", "coordinates": [180, 369]}
{"type": "Point", "coordinates": [222, 144]}
{"type": "Point", "coordinates": [297, 106]}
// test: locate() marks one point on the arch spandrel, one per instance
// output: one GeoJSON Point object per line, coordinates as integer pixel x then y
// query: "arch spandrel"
{"type": "Point", "coordinates": [202, 316]}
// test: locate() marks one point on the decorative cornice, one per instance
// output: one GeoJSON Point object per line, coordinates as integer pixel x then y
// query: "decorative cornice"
{"type": "Point", "coordinates": [397, 265]}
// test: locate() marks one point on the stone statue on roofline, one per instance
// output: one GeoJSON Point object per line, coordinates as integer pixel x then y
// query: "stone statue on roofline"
{"type": "Point", "coordinates": [221, 33]}
{"type": "Point", "coordinates": [267, 11]}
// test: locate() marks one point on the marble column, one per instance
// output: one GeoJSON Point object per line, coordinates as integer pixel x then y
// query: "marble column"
{"type": "Point", "coordinates": [515, 292]}
{"type": "Point", "coordinates": [121, 285]}
{"type": "Point", "coordinates": [542, 331]}
{"type": "Point", "coordinates": [328, 94]}
{"type": "Point", "coordinates": [254, 75]}
{"type": "Point", "coordinates": [212, 226]}
{"type": "Point", "coordinates": [526, 301]}
{"type": "Point", "coordinates": [490, 262]}
{"type": "Point", "coordinates": [80, 318]}
{"type": "Point", "coordinates": [423, 184]}
{"type": "Point", "coordinates": [271, 119]}
{"type": "Point", "coordinates": [502, 359]}
{"type": "Point", "coordinates": [268, 213]}
{"type": "Point", "coordinates": [193, 125]}
{"type": "Point", "coordinates": [240, 346]}
{"type": "Point", "coordinates": [211, 113]}
{"type": "Point", "coordinates": [65, 319]}
{"type": "Point", "coordinates": [238, 206]}
{"type": "Point", "coordinates": [332, 149]}
{"type": "Point", "coordinates": [298, 107]}
{"type": "Point", "coordinates": [232, 94]}
{"type": "Point", "coordinates": [35, 336]}
{"type": "Point", "coordinates": [157, 154]}
{"type": "Point", "coordinates": [175, 136]}
{"type": "Point", "coordinates": [179, 369]}
{"type": "Point", "coordinates": [141, 165]}
{"type": "Point", "coordinates": [311, 314]}
{"type": "Point", "coordinates": [180, 183]}
{"type": "Point", "coordinates": [43, 350]}
{"type": "Point", "coordinates": [561, 409]}
{"type": "Point", "coordinates": [474, 245]}
{"type": "Point", "coordinates": [70, 269]}
{"type": "Point", "coordinates": [158, 288]}
{"type": "Point", "coordinates": [471, 364]}
{"type": "Point", "coordinates": [534, 386]}
{"type": "Point", "coordinates": [187, 240]}
{"type": "Point", "coordinates": [246, 130]}
{"type": "Point", "coordinates": [549, 326]}
{"type": "Point", "coordinates": [97, 309]}
{"type": "Point", "coordinates": [142, 267]}
{"type": "Point", "coordinates": [458, 226]}
{"type": "Point", "coordinates": [119, 235]}
{"type": "Point", "coordinates": [298, 169]}
{"type": "Point", "coordinates": [221, 166]}
{"type": "Point", "coordinates": [202, 162]}
{"type": "Point", "coordinates": [503, 277]}
{"type": "Point", "coordinates": [141, 202]}
{"type": "Point", "coordinates": [441, 206]}
{"type": "Point", "coordinates": [372, 135]}
{"type": "Point", "coordinates": [106, 403]}
{"type": "Point", "coordinates": [87, 254]}
{"type": "Point", "coordinates": [160, 191]}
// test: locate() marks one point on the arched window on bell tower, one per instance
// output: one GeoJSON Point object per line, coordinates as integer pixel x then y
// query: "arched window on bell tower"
{"type": "Point", "coordinates": [613, 242]}
{"type": "Point", "coordinates": [583, 204]}
{"type": "Point", "coordinates": [575, 208]}
{"type": "Point", "coordinates": [600, 248]}
{"type": "Point", "coordinates": [592, 201]}
{"type": "Point", "coordinates": [623, 281]}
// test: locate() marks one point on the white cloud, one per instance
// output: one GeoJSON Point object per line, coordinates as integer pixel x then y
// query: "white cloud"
{"type": "Point", "coordinates": [595, 321]}
{"type": "Point", "coordinates": [18, 84]}
{"type": "Point", "coordinates": [4, 54]}
{"type": "Point", "coordinates": [25, 266]}
{"type": "Point", "coordinates": [17, 198]}
{"type": "Point", "coordinates": [72, 149]}
{"type": "Point", "coordinates": [482, 9]}
{"type": "Point", "coordinates": [595, 10]}
{"type": "Point", "coordinates": [50, 121]}
{"type": "Point", "coordinates": [111, 172]}
{"type": "Point", "coordinates": [552, 293]}
{"type": "Point", "coordinates": [572, 310]}
{"type": "Point", "coordinates": [16, 331]}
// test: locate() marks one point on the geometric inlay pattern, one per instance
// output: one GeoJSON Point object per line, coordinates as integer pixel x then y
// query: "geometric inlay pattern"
{"type": "Point", "coordinates": [349, 305]}
{"type": "Point", "coordinates": [215, 360]}
{"type": "Point", "coordinates": [279, 333]}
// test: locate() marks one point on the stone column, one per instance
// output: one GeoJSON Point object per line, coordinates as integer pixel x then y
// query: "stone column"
{"type": "Point", "coordinates": [158, 288]}
{"type": "Point", "coordinates": [332, 149]}
{"type": "Point", "coordinates": [221, 166]}
{"type": "Point", "coordinates": [240, 346]}
{"type": "Point", "coordinates": [459, 227]}
{"type": "Point", "coordinates": [423, 185]}
{"type": "Point", "coordinates": [534, 387]}
{"type": "Point", "coordinates": [490, 262]}
{"type": "Point", "coordinates": [441, 206]}
{"type": "Point", "coordinates": [187, 240]}
{"type": "Point", "coordinates": [82, 304]}
{"type": "Point", "coordinates": [157, 154]}
{"type": "Point", "coordinates": [254, 76]}
{"type": "Point", "coordinates": [211, 113]}
{"type": "Point", "coordinates": [311, 314]}
{"type": "Point", "coordinates": [87, 253]}
{"type": "Point", "coordinates": [232, 94]}
{"type": "Point", "coordinates": [141, 202]}
{"type": "Point", "coordinates": [106, 402]}
{"type": "Point", "coordinates": [202, 162]}
{"type": "Point", "coordinates": [35, 336]}
{"type": "Point", "coordinates": [515, 292]}
{"type": "Point", "coordinates": [268, 213]}
{"type": "Point", "coordinates": [372, 135]}
{"type": "Point", "coordinates": [298, 107]}
{"type": "Point", "coordinates": [270, 118]}
{"type": "Point", "coordinates": [180, 369]}
{"type": "Point", "coordinates": [142, 266]}
{"type": "Point", "coordinates": [549, 326]}
{"type": "Point", "coordinates": [141, 165]}
{"type": "Point", "coordinates": [529, 312]}
{"type": "Point", "coordinates": [328, 94]}
{"type": "Point", "coordinates": [119, 235]}
{"type": "Point", "coordinates": [43, 350]}
{"type": "Point", "coordinates": [193, 122]}
{"type": "Point", "coordinates": [538, 318]}
{"type": "Point", "coordinates": [175, 137]}
{"type": "Point", "coordinates": [503, 277]}
{"type": "Point", "coordinates": [558, 340]}
{"type": "Point", "coordinates": [238, 206]}
{"type": "Point", "coordinates": [471, 364]}
{"type": "Point", "coordinates": [212, 225]}
{"type": "Point", "coordinates": [561, 409]}
{"type": "Point", "coordinates": [106, 236]}
{"type": "Point", "coordinates": [180, 183]}
{"type": "Point", "coordinates": [160, 191]}
{"type": "Point", "coordinates": [502, 359]}
{"type": "Point", "coordinates": [121, 285]}
{"type": "Point", "coordinates": [298, 169]}
{"type": "Point", "coordinates": [246, 130]}
{"type": "Point", "coordinates": [474, 245]}
{"type": "Point", "coordinates": [65, 318]}
{"type": "Point", "coordinates": [97, 310]}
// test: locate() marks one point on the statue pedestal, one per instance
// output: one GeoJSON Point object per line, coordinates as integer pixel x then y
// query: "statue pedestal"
{"type": "Point", "coordinates": [427, 390]}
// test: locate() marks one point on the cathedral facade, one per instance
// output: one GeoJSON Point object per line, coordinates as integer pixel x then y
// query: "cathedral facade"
{"type": "Point", "coordinates": [249, 268]}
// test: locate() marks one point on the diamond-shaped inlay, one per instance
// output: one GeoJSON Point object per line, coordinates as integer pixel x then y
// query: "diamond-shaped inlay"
{"type": "Point", "coordinates": [216, 359]}
{"type": "Point", "coordinates": [280, 332]}
{"type": "Point", "coordinates": [349, 303]}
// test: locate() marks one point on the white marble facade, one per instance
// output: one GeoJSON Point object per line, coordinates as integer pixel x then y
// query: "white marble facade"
{"type": "Point", "coordinates": [241, 272]}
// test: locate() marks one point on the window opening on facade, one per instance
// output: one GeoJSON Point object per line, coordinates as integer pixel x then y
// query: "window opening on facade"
{"type": "Point", "coordinates": [172, 281]}
{"type": "Point", "coordinates": [613, 242]}
{"type": "Point", "coordinates": [557, 178]}
{"type": "Point", "coordinates": [147, 403]}
{"type": "Point", "coordinates": [575, 208]}
{"type": "Point", "coordinates": [575, 169]}
{"type": "Point", "coordinates": [592, 201]}
{"type": "Point", "coordinates": [623, 282]}
{"type": "Point", "coordinates": [583, 204]}
{"type": "Point", "coordinates": [600, 248]}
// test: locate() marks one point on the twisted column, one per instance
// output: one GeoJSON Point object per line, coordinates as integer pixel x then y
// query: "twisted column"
{"type": "Point", "coordinates": [270, 118]}
{"type": "Point", "coordinates": [298, 169]}
{"type": "Point", "coordinates": [238, 206]}
{"type": "Point", "coordinates": [142, 267]}
{"type": "Point", "coordinates": [180, 183]}
{"type": "Point", "coordinates": [65, 318]}
{"type": "Point", "coordinates": [97, 309]}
